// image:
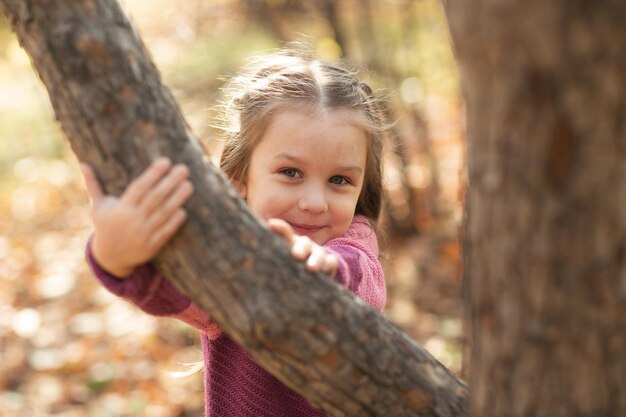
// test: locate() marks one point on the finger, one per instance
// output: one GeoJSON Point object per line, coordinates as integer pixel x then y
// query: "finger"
{"type": "Point", "coordinates": [301, 248]}
{"type": "Point", "coordinates": [282, 228]}
{"type": "Point", "coordinates": [315, 261]}
{"type": "Point", "coordinates": [174, 202]}
{"type": "Point", "coordinates": [331, 264]}
{"type": "Point", "coordinates": [91, 183]}
{"type": "Point", "coordinates": [138, 188]}
{"type": "Point", "coordinates": [163, 190]}
{"type": "Point", "coordinates": [164, 233]}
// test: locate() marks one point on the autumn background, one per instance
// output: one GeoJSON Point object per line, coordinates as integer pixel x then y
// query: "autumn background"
{"type": "Point", "coordinates": [68, 348]}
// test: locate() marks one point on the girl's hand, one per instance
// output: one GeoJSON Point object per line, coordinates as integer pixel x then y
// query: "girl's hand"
{"type": "Point", "coordinates": [131, 229]}
{"type": "Point", "coordinates": [303, 248]}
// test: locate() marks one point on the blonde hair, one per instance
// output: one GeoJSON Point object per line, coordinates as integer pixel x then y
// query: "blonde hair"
{"type": "Point", "coordinates": [291, 78]}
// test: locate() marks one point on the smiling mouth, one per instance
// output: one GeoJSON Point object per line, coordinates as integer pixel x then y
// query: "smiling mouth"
{"type": "Point", "coordinates": [304, 229]}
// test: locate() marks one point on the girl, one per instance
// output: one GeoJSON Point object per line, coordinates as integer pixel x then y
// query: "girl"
{"type": "Point", "coordinates": [304, 148]}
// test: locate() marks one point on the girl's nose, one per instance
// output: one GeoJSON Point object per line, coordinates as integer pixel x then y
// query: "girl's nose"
{"type": "Point", "coordinates": [313, 200]}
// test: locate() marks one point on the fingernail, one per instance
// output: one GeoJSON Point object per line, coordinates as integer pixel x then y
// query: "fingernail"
{"type": "Point", "coordinates": [298, 252]}
{"type": "Point", "coordinates": [162, 160]}
{"type": "Point", "coordinates": [182, 169]}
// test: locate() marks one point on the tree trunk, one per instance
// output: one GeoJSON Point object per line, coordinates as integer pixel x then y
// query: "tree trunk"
{"type": "Point", "coordinates": [545, 224]}
{"type": "Point", "coordinates": [315, 336]}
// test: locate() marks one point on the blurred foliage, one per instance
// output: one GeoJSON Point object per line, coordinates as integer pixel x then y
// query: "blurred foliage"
{"type": "Point", "coordinates": [67, 348]}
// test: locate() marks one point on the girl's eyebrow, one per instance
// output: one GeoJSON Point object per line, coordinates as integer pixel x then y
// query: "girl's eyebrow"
{"type": "Point", "coordinates": [285, 155]}
{"type": "Point", "coordinates": [352, 168]}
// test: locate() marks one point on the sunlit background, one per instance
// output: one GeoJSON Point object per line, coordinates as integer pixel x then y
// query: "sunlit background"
{"type": "Point", "coordinates": [67, 347]}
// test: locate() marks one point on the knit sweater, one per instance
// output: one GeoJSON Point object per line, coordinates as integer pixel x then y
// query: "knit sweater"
{"type": "Point", "coordinates": [235, 385]}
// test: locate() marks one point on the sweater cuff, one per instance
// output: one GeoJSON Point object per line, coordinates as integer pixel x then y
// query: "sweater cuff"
{"type": "Point", "coordinates": [145, 287]}
{"type": "Point", "coordinates": [343, 275]}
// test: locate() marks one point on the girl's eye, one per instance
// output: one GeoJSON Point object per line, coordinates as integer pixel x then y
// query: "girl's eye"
{"type": "Point", "coordinates": [338, 180]}
{"type": "Point", "coordinates": [290, 172]}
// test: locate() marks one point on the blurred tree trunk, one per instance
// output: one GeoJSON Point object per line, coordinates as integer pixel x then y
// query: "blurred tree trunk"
{"type": "Point", "coordinates": [267, 15]}
{"type": "Point", "coordinates": [330, 11]}
{"type": "Point", "coordinates": [545, 224]}
{"type": "Point", "coordinates": [315, 336]}
{"type": "Point", "coordinates": [407, 218]}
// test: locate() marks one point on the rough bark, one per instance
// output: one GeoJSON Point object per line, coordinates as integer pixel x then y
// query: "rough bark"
{"type": "Point", "coordinates": [545, 225]}
{"type": "Point", "coordinates": [313, 335]}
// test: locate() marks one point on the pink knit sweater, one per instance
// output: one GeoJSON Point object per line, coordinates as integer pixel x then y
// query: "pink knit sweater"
{"type": "Point", "coordinates": [235, 386]}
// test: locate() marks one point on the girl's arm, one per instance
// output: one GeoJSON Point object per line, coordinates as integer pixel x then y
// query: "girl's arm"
{"type": "Point", "coordinates": [152, 293]}
{"type": "Point", "coordinates": [131, 229]}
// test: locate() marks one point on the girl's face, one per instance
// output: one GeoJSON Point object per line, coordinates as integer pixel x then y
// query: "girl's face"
{"type": "Point", "coordinates": [308, 170]}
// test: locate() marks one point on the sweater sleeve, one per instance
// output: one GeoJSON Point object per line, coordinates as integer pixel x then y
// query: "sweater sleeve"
{"type": "Point", "coordinates": [152, 293]}
{"type": "Point", "coordinates": [359, 268]}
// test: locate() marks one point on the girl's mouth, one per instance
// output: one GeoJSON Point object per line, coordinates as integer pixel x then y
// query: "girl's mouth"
{"type": "Point", "coordinates": [305, 229]}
